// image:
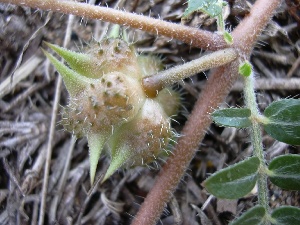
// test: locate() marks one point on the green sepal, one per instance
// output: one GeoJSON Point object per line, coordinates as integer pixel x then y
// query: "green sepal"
{"type": "Point", "coordinates": [96, 143]}
{"type": "Point", "coordinates": [283, 121]}
{"type": "Point", "coordinates": [286, 215]}
{"type": "Point", "coordinates": [232, 117]}
{"type": "Point", "coordinates": [234, 181]}
{"type": "Point", "coordinates": [81, 63]}
{"type": "Point", "coordinates": [284, 172]}
{"type": "Point", "coordinates": [75, 83]}
{"type": "Point", "coordinates": [210, 7]}
{"type": "Point", "coordinates": [254, 216]}
{"type": "Point", "coordinates": [245, 69]}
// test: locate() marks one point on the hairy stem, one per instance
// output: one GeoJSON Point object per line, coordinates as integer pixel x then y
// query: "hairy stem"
{"type": "Point", "coordinates": [155, 83]}
{"type": "Point", "coordinates": [192, 36]}
{"type": "Point", "coordinates": [256, 139]}
{"type": "Point", "coordinates": [218, 86]}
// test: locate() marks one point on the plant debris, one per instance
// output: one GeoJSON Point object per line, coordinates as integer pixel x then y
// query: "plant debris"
{"type": "Point", "coordinates": [27, 100]}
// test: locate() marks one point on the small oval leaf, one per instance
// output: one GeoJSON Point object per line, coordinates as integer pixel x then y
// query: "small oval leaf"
{"type": "Point", "coordinates": [234, 181]}
{"type": "Point", "coordinates": [232, 117]}
{"type": "Point", "coordinates": [245, 69]}
{"type": "Point", "coordinates": [285, 172]}
{"type": "Point", "coordinates": [210, 7]}
{"type": "Point", "coordinates": [286, 215]}
{"type": "Point", "coordinates": [284, 121]}
{"type": "Point", "coordinates": [254, 216]}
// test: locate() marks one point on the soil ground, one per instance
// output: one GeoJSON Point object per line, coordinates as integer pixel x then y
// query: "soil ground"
{"type": "Point", "coordinates": [26, 106]}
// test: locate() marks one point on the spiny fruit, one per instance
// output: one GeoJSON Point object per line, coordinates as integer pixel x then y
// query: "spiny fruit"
{"type": "Point", "coordinates": [107, 103]}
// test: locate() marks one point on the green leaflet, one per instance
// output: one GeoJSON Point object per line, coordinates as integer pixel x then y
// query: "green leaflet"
{"type": "Point", "coordinates": [254, 216]}
{"type": "Point", "coordinates": [232, 117]}
{"type": "Point", "coordinates": [285, 172]}
{"type": "Point", "coordinates": [211, 7]}
{"type": "Point", "coordinates": [283, 121]}
{"type": "Point", "coordinates": [234, 181]}
{"type": "Point", "coordinates": [286, 215]}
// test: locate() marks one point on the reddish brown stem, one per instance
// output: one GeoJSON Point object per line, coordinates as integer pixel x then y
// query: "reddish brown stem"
{"type": "Point", "coordinates": [192, 36]}
{"type": "Point", "coordinates": [216, 89]}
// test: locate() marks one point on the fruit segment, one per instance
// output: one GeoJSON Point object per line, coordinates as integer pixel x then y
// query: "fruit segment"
{"type": "Point", "coordinates": [140, 141]}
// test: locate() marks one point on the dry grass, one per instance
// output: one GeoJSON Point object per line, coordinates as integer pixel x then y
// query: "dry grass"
{"type": "Point", "coordinates": [27, 109]}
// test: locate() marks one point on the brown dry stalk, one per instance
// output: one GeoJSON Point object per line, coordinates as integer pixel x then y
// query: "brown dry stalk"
{"type": "Point", "coordinates": [192, 36]}
{"type": "Point", "coordinates": [215, 91]}
{"type": "Point", "coordinates": [52, 130]}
